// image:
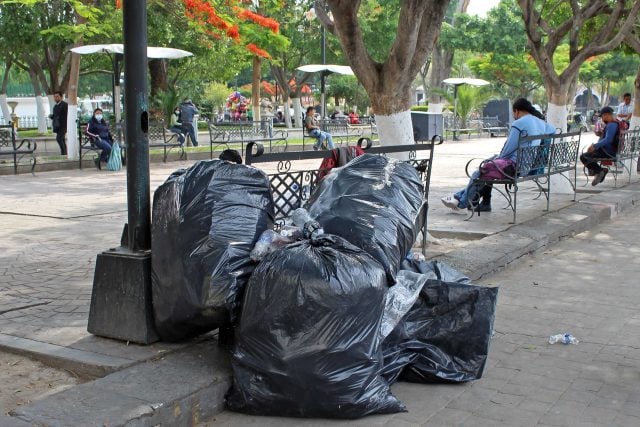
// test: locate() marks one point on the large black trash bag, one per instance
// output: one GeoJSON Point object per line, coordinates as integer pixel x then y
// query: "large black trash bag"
{"type": "Point", "coordinates": [374, 202]}
{"type": "Point", "coordinates": [308, 342]}
{"type": "Point", "coordinates": [445, 336]}
{"type": "Point", "coordinates": [206, 220]}
{"type": "Point", "coordinates": [434, 269]}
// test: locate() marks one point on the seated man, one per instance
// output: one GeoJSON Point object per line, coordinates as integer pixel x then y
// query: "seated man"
{"type": "Point", "coordinates": [528, 121]}
{"type": "Point", "coordinates": [607, 146]}
{"type": "Point", "coordinates": [311, 124]}
{"type": "Point", "coordinates": [625, 110]}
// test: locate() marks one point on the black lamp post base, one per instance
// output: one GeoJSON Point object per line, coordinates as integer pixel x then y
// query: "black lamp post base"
{"type": "Point", "coordinates": [121, 298]}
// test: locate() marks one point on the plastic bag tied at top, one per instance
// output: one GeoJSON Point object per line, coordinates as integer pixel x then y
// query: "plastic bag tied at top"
{"type": "Point", "coordinates": [308, 342]}
{"type": "Point", "coordinates": [375, 203]}
{"type": "Point", "coordinates": [206, 220]}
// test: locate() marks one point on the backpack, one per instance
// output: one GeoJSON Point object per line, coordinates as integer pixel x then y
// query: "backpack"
{"type": "Point", "coordinates": [623, 126]}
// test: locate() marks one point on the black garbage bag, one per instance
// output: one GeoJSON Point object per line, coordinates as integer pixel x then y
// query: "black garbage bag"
{"type": "Point", "coordinates": [206, 220]}
{"type": "Point", "coordinates": [374, 202]}
{"type": "Point", "coordinates": [308, 342]}
{"type": "Point", "coordinates": [445, 336]}
{"type": "Point", "coordinates": [435, 270]}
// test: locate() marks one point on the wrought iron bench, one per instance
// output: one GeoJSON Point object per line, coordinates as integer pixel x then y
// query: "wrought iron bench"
{"type": "Point", "coordinates": [339, 129]}
{"type": "Point", "coordinates": [10, 147]}
{"type": "Point", "coordinates": [161, 137]}
{"type": "Point", "coordinates": [245, 132]}
{"type": "Point", "coordinates": [86, 144]}
{"type": "Point", "coordinates": [622, 162]}
{"type": "Point", "coordinates": [556, 155]}
{"type": "Point", "coordinates": [291, 188]}
{"type": "Point", "coordinates": [493, 127]}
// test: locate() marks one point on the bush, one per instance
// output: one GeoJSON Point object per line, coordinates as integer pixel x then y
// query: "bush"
{"type": "Point", "coordinates": [420, 108]}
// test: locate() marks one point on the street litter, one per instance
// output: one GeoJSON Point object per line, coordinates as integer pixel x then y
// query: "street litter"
{"type": "Point", "coordinates": [206, 220]}
{"type": "Point", "coordinates": [375, 203]}
{"type": "Point", "coordinates": [563, 338]}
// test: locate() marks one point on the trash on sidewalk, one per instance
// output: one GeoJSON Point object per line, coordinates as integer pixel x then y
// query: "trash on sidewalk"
{"type": "Point", "coordinates": [206, 220]}
{"type": "Point", "coordinates": [308, 340]}
{"type": "Point", "coordinates": [563, 338]}
{"type": "Point", "coordinates": [375, 203]}
{"type": "Point", "coordinates": [445, 336]}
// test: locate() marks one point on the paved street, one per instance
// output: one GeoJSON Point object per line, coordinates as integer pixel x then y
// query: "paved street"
{"type": "Point", "coordinates": [586, 285]}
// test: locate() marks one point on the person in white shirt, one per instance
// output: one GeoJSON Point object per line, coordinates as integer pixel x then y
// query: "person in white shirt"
{"type": "Point", "coordinates": [625, 110]}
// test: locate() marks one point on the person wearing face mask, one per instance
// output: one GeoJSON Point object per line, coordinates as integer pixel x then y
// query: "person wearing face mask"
{"type": "Point", "coordinates": [175, 126]}
{"type": "Point", "coordinates": [98, 131]}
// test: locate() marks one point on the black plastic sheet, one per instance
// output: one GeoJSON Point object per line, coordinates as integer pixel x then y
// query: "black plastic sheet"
{"type": "Point", "coordinates": [308, 342]}
{"type": "Point", "coordinates": [206, 220]}
{"type": "Point", "coordinates": [445, 336]}
{"type": "Point", "coordinates": [375, 203]}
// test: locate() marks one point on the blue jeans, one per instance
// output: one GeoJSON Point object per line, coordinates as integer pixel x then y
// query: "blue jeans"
{"type": "Point", "coordinates": [105, 147]}
{"type": "Point", "coordinates": [178, 131]}
{"type": "Point", "coordinates": [470, 192]}
{"type": "Point", "coordinates": [321, 136]}
{"type": "Point", "coordinates": [189, 129]}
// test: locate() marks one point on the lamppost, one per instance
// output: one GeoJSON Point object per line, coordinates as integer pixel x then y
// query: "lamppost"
{"type": "Point", "coordinates": [311, 15]}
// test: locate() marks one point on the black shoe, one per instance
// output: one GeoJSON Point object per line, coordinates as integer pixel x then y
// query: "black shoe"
{"type": "Point", "coordinates": [599, 177]}
{"type": "Point", "coordinates": [96, 162]}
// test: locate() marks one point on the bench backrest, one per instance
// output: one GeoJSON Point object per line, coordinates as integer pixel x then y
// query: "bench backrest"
{"type": "Point", "coordinates": [539, 155]}
{"type": "Point", "coordinates": [488, 122]}
{"type": "Point", "coordinates": [240, 130]}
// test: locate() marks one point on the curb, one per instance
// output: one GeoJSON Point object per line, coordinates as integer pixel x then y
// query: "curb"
{"type": "Point", "coordinates": [188, 386]}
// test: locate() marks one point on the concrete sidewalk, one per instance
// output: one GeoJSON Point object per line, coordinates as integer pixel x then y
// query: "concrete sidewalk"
{"type": "Point", "coordinates": [55, 224]}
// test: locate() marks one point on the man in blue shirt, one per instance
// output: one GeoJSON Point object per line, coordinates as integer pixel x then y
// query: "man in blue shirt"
{"type": "Point", "coordinates": [607, 146]}
{"type": "Point", "coordinates": [187, 116]}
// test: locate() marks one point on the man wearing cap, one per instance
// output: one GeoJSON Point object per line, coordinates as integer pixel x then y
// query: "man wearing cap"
{"type": "Point", "coordinates": [607, 146]}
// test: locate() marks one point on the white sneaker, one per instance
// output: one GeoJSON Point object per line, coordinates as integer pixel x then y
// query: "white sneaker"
{"type": "Point", "coordinates": [450, 202]}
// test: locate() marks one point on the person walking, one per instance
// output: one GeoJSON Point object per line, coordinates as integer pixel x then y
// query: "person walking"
{"type": "Point", "coordinates": [187, 115]}
{"type": "Point", "coordinates": [59, 121]}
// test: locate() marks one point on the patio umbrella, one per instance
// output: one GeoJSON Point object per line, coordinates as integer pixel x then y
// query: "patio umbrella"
{"type": "Point", "coordinates": [117, 49]}
{"type": "Point", "coordinates": [325, 70]}
{"type": "Point", "coordinates": [458, 81]}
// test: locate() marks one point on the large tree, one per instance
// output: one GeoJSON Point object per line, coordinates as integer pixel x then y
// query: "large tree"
{"type": "Point", "coordinates": [388, 81]}
{"type": "Point", "coordinates": [589, 27]}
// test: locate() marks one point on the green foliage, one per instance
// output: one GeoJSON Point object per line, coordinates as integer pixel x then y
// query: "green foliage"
{"type": "Point", "coordinates": [214, 96]}
{"type": "Point", "coordinates": [420, 108]}
{"type": "Point", "coordinates": [164, 102]}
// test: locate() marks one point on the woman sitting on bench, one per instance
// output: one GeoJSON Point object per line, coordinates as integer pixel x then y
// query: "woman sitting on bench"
{"type": "Point", "coordinates": [528, 121]}
{"type": "Point", "coordinates": [98, 131]}
{"type": "Point", "coordinates": [311, 124]}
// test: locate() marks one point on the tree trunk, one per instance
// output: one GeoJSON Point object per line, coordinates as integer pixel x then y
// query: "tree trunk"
{"type": "Point", "coordinates": [6, 113]}
{"type": "Point", "coordinates": [635, 118]}
{"type": "Point", "coordinates": [297, 112]}
{"type": "Point", "coordinates": [441, 64]}
{"type": "Point", "coordinates": [159, 76]}
{"type": "Point", "coordinates": [285, 108]}
{"type": "Point", "coordinates": [255, 87]}
{"type": "Point", "coordinates": [72, 113]}
{"type": "Point", "coordinates": [42, 114]}
{"type": "Point", "coordinates": [388, 84]}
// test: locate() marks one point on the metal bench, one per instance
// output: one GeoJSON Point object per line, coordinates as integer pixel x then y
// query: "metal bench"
{"type": "Point", "coordinates": [341, 131]}
{"type": "Point", "coordinates": [245, 132]}
{"type": "Point", "coordinates": [556, 155]}
{"type": "Point", "coordinates": [10, 147]}
{"type": "Point", "coordinates": [622, 162]}
{"type": "Point", "coordinates": [493, 127]}
{"type": "Point", "coordinates": [161, 137]}
{"type": "Point", "coordinates": [86, 143]}
{"type": "Point", "coordinates": [291, 188]}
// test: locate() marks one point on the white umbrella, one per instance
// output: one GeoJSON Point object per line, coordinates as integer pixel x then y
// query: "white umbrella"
{"type": "Point", "coordinates": [458, 81]}
{"type": "Point", "coordinates": [325, 69]}
{"type": "Point", "coordinates": [118, 50]}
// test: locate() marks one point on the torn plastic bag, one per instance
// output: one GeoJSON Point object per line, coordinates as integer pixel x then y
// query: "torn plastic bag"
{"type": "Point", "coordinates": [308, 342]}
{"type": "Point", "coordinates": [374, 202]}
{"type": "Point", "coordinates": [400, 298]}
{"type": "Point", "coordinates": [206, 220]}
{"type": "Point", "coordinates": [435, 270]}
{"type": "Point", "coordinates": [444, 337]}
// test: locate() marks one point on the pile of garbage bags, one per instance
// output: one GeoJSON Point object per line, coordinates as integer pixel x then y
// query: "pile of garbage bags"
{"type": "Point", "coordinates": [329, 310]}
